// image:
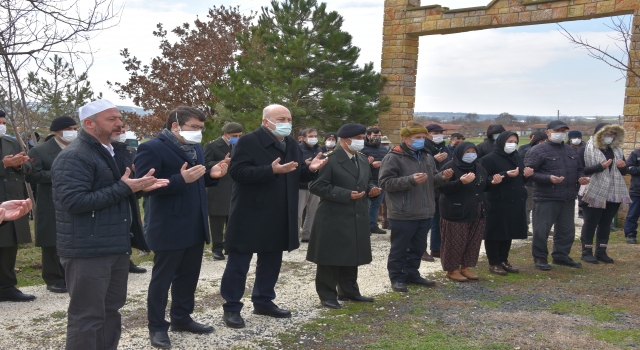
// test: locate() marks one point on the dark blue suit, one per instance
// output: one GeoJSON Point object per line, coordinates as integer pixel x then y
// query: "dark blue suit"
{"type": "Point", "coordinates": [177, 230]}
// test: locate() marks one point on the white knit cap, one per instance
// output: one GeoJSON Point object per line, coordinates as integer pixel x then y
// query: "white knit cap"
{"type": "Point", "coordinates": [94, 107]}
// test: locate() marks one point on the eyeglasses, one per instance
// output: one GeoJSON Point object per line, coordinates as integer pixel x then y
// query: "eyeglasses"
{"type": "Point", "coordinates": [197, 127]}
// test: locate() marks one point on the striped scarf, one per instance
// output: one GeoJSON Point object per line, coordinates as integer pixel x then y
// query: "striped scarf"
{"type": "Point", "coordinates": [605, 186]}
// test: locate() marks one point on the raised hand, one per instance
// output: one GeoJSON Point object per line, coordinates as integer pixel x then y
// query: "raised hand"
{"type": "Point", "coordinates": [467, 178]}
{"type": "Point", "coordinates": [374, 192]}
{"type": "Point", "coordinates": [14, 161]}
{"type": "Point", "coordinates": [528, 172]}
{"type": "Point", "coordinates": [138, 184]}
{"type": "Point", "coordinates": [357, 195]}
{"type": "Point", "coordinates": [420, 177]}
{"type": "Point", "coordinates": [584, 180]}
{"type": "Point", "coordinates": [440, 156]}
{"type": "Point", "coordinates": [514, 172]}
{"type": "Point", "coordinates": [620, 163]}
{"type": "Point", "coordinates": [15, 209]}
{"type": "Point", "coordinates": [557, 179]}
{"type": "Point", "coordinates": [370, 159]}
{"type": "Point", "coordinates": [219, 170]}
{"type": "Point", "coordinates": [376, 164]}
{"type": "Point", "coordinates": [447, 174]}
{"type": "Point", "coordinates": [308, 161]}
{"type": "Point", "coordinates": [605, 163]}
{"type": "Point", "coordinates": [283, 168]}
{"type": "Point", "coordinates": [317, 163]}
{"type": "Point", "coordinates": [192, 174]}
{"type": "Point", "coordinates": [227, 159]}
{"type": "Point", "coordinates": [497, 178]}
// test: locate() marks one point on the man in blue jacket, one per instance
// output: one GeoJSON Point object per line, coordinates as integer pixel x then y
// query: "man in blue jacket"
{"type": "Point", "coordinates": [178, 222]}
{"type": "Point", "coordinates": [93, 217]}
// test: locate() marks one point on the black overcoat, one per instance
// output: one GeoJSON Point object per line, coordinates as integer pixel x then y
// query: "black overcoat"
{"type": "Point", "coordinates": [12, 187]}
{"type": "Point", "coordinates": [219, 196]}
{"type": "Point", "coordinates": [340, 234]}
{"type": "Point", "coordinates": [42, 157]}
{"type": "Point", "coordinates": [264, 206]}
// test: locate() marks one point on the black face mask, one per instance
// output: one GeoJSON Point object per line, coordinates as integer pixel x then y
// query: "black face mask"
{"type": "Point", "coordinates": [374, 141]}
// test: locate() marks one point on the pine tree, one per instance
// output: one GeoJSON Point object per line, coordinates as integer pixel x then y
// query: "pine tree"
{"type": "Point", "coordinates": [298, 56]}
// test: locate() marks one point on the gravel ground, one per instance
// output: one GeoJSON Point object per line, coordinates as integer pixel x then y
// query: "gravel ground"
{"type": "Point", "coordinates": [42, 324]}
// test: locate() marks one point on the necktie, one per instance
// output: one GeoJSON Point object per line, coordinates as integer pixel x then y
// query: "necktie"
{"type": "Point", "coordinates": [354, 160]}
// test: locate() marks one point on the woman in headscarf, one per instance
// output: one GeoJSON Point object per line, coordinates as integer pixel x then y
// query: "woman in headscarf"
{"type": "Point", "coordinates": [463, 207]}
{"type": "Point", "coordinates": [506, 219]}
{"type": "Point", "coordinates": [604, 162]}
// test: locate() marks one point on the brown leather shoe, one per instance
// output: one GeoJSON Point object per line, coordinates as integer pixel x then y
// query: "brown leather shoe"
{"type": "Point", "coordinates": [464, 271]}
{"type": "Point", "coordinates": [435, 253]}
{"type": "Point", "coordinates": [497, 269]}
{"type": "Point", "coordinates": [507, 267]}
{"type": "Point", "coordinates": [427, 257]}
{"type": "Point", "coordinates": [456, 276]}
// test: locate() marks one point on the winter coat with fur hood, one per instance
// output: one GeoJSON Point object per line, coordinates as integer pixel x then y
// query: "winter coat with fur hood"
{"type": "Point", "coordinates": [601, 130]}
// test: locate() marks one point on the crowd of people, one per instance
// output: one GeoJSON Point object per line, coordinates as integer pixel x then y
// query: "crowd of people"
{"type": "Point", "coordinates": [263, 193]}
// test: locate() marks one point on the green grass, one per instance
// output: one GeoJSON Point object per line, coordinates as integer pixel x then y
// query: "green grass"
{"type": "Point", "coordinates": [626, 338]}
{"type": "Point", "coordinates": [600, 313]}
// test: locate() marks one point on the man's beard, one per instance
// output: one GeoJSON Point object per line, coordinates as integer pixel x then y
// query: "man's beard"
{"type": "Point", "coordinates": [107, 135]}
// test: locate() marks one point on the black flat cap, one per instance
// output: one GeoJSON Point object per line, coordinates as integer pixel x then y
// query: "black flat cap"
{"type": "Point", "coordinates": [557, 124]}
{"type": "Point", "coordinates": [434, 127]}
{"type": "Point", "coordinates": [61, 123]}
{"type": "Point", "coordinates": [574, 134]}
{"type": "Point", "coordinates": [351, 130]}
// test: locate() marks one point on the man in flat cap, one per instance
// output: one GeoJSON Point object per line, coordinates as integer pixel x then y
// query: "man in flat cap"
{"type": "Point", "coordinates": [219, 196]}
{"type": "Point", "coordinates": [557, 172]}
{"type": "Point", "coordinates": [340, 238]}
{"type": "Point", "coordinates": [42, 157]}
{"type": "Point", "coordinates": [266, 167]}
{"type": "Point", "coordinates": [93, 217]}
{"type": "Point", "coordinates": [16, 166]}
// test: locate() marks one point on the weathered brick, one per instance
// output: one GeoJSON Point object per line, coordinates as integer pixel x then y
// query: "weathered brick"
{"type": "Point", "coordinates": [575, 11]}
{"type": "Point", "coordinates": [559, 12]}
{"type": "Point", "coordinates": [632, 110]}
{"type": "Point", "coordinates": [606, 6]}
{"type": "Point", "coordinates": [524, 17]}
{"type": "Point", "coordinates": [472, 21]}
{"type": "Point", "coordinates": [541, 15]}
{"type": "Point", "coordinates": [590, 9]}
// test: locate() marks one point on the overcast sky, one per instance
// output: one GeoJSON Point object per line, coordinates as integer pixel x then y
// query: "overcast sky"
{"type": "Point", "coordinates": [531, 70]}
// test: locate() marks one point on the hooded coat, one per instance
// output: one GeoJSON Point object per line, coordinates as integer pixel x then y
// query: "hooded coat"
{"type": "Point", "coordinates": [507, 217]}
{"type": "Point", "coordinates": [486, 147]}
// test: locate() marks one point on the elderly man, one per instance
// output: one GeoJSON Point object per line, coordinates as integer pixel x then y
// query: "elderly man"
{"type": "Point", "coordinates": [15, 166]}
{"type": "Point", "coordinates": [178, 226]}
{"type": "Point", "coordinates": [454, 140]}
{"type": "Point", "coordinates": [307, 200]}
{"type": "Point", "coordinates": [267, 166]}
{"type": "Point", "coordinates": [219, 197]}
{"type": "Point", "coordinates": [340, 238]}
{"type": "Point", "coordinates": [42, 157]}
{"type": "Point", "coordinates": [93, 216]}
{"type": "Point", "coordinates": [557, 170]}
{"type": "Point", "coordinates": [409, 174]}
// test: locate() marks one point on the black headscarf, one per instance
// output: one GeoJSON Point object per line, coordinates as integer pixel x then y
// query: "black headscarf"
{"type": "Point", "coordinates": [458, 153]}
{"type": "Point", "coordinates": [537, 136]}
{"type": "Point", "coordinates": [501, 141]}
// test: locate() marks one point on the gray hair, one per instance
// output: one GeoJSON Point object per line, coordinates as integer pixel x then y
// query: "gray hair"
{"type": "Point", "coordinates": [267, 110]}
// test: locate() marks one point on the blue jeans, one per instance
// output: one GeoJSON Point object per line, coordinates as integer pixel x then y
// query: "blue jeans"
{"type": "Point", "coordinates": [374, 208]}
{"type": "Point", "coordinates": [408, 243]}
{"type": "Point", "coordinates": [436, 240]}
{"type": "Point", "coordinates": [631, 222]}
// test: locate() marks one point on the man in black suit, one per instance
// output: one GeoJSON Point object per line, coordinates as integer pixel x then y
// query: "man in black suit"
{"type": "Point", "coordinates": [178, 227]}
{"type": "Point", "coordinates": [42, 156]}
{"type": "Point", "coordinates": [219, 197]}
{"type": "Point", "coordinates": [267, 166]}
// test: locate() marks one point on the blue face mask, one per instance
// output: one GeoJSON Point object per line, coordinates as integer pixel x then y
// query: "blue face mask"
{"type": "Point", "coordinates": [233, 140]}
{"type": "Point", "coordinates": [282, 129]}
{"type": "Point", "coordinates": [417, 144]}
{"type": "Point", "coordinates": [469, 157]}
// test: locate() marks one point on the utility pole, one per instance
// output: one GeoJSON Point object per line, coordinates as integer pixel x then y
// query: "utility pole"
{"type": "Point", "coordinates": [558, 114]}
{"type": "Point", "coordinates": [619, 120]}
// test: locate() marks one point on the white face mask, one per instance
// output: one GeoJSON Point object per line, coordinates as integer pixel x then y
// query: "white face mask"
{"type": "Point", "coordinates": [557, 137]}
{"type": "Point", "coordinates": [191, 137]}
{"type": "Point", "coordinates": [437, 139]}
{"type": "Point", "coordinates": [122, 138]}
{"type": "Point", "coordinates": [608, 140]}
{"type": "Point", "coordinates": [69, 135]}
{"type": "Point", "coordinates": [330, 144]}
{"type": "Point", "coordinates": [576, 141]}
{"type": "Point", "coordinates": [510, 147]}
{"type": "Point", "coordinates": [312, 141]}
{"type": "Point", "coordinates": [356, 145]}
{"type": "Point", "coordinates": [3, 130]}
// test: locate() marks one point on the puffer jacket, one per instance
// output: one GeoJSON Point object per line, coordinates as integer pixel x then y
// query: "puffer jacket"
{"type": "Point", "coordinates": [633, 166]}
{"type": "Point", "coordinates": [558, 159]}
{"type": "Point", "coordinates": [378, 152]}
{"type": "Point", "coordinates": [91, 202]}
{"type": "Point", "coordinates": [486, 146]}
{"type": "Point", "coordinates": [308, 152]}
{"type": "Point", "coordinates": [407, 200]}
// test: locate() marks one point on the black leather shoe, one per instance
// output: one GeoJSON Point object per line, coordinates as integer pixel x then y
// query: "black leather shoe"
{"type": "Point", "coordinates": [57, 288]}
{"type": "Point", "coordinates": [136, 269]}
{"type": "Point", "coordinates": [589, 258]}
{"type": "Point", "coordinates": [15, 295]}
{"type": "Point", "coordinates": [377, 230]}
{"type": "Point", "coordinates": [331, 304]}
{"type": "Point", "coordinates": [567, 262]}
{"type": "Point", "coordinates": [422, 281]}
{"type": "Point", "coordinates": [193, 327]}
{"type": "Point", "coordinates": [399, 286]}
{"type": "Point", "coordinates": [355, 298]}
{"type": "Point", "coordinates": [218, 256]}
{"type": "Point", "coordinates": [273, 312]}
{"type": "Point", "coordinates": [542, 264]}
{"type": "Point", "coordinates": [631, 240]}
{"type": "Point", "coordinates": [233, 319]}
{"type": "Point", "coordinates": [160, 340]}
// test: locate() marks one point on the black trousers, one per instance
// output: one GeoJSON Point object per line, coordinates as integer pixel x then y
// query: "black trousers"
{"type": "Point", "coordinates": [179, 270]}
{"type": "Point", "coordinates": [234, 280]}
{"type": "Point", "coordinates": [216, 225]}
{"type": "Point", "coordinates": [329, 277]}
{"type": "Point", "coordinates": [597, 222]}
{"type": "Point", "coordinates": [8, 279]}
{"type": "Point", "coordinates": [408, 243]}
{"type": "Point", "coordinates": [97, 289]}
{"type": "Point", "coordinates": [497, 251]}
{"type": "Point", "coordinates": [52, 270]}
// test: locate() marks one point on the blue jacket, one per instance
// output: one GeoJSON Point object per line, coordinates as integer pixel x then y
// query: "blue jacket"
{"type": "Point", "coordinates": [178, 212]}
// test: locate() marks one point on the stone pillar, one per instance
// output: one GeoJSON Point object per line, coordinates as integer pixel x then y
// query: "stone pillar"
{"type": "Point", "coordinates": [399, 67]}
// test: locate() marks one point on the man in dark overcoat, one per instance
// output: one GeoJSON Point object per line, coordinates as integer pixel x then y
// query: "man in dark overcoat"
{"type": "Point", "coordinates": [178, 227]}
{"type": "Point", "coordinates": [42, 157]}
{"type": "Point", "coordinates": [340, 238]}
{"type": "Point", "coordinates": [266, 167]}
{"type": "Point", "coordinates": [219, 196]}
{"type": "Point", "coordinates": [12, 187]}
